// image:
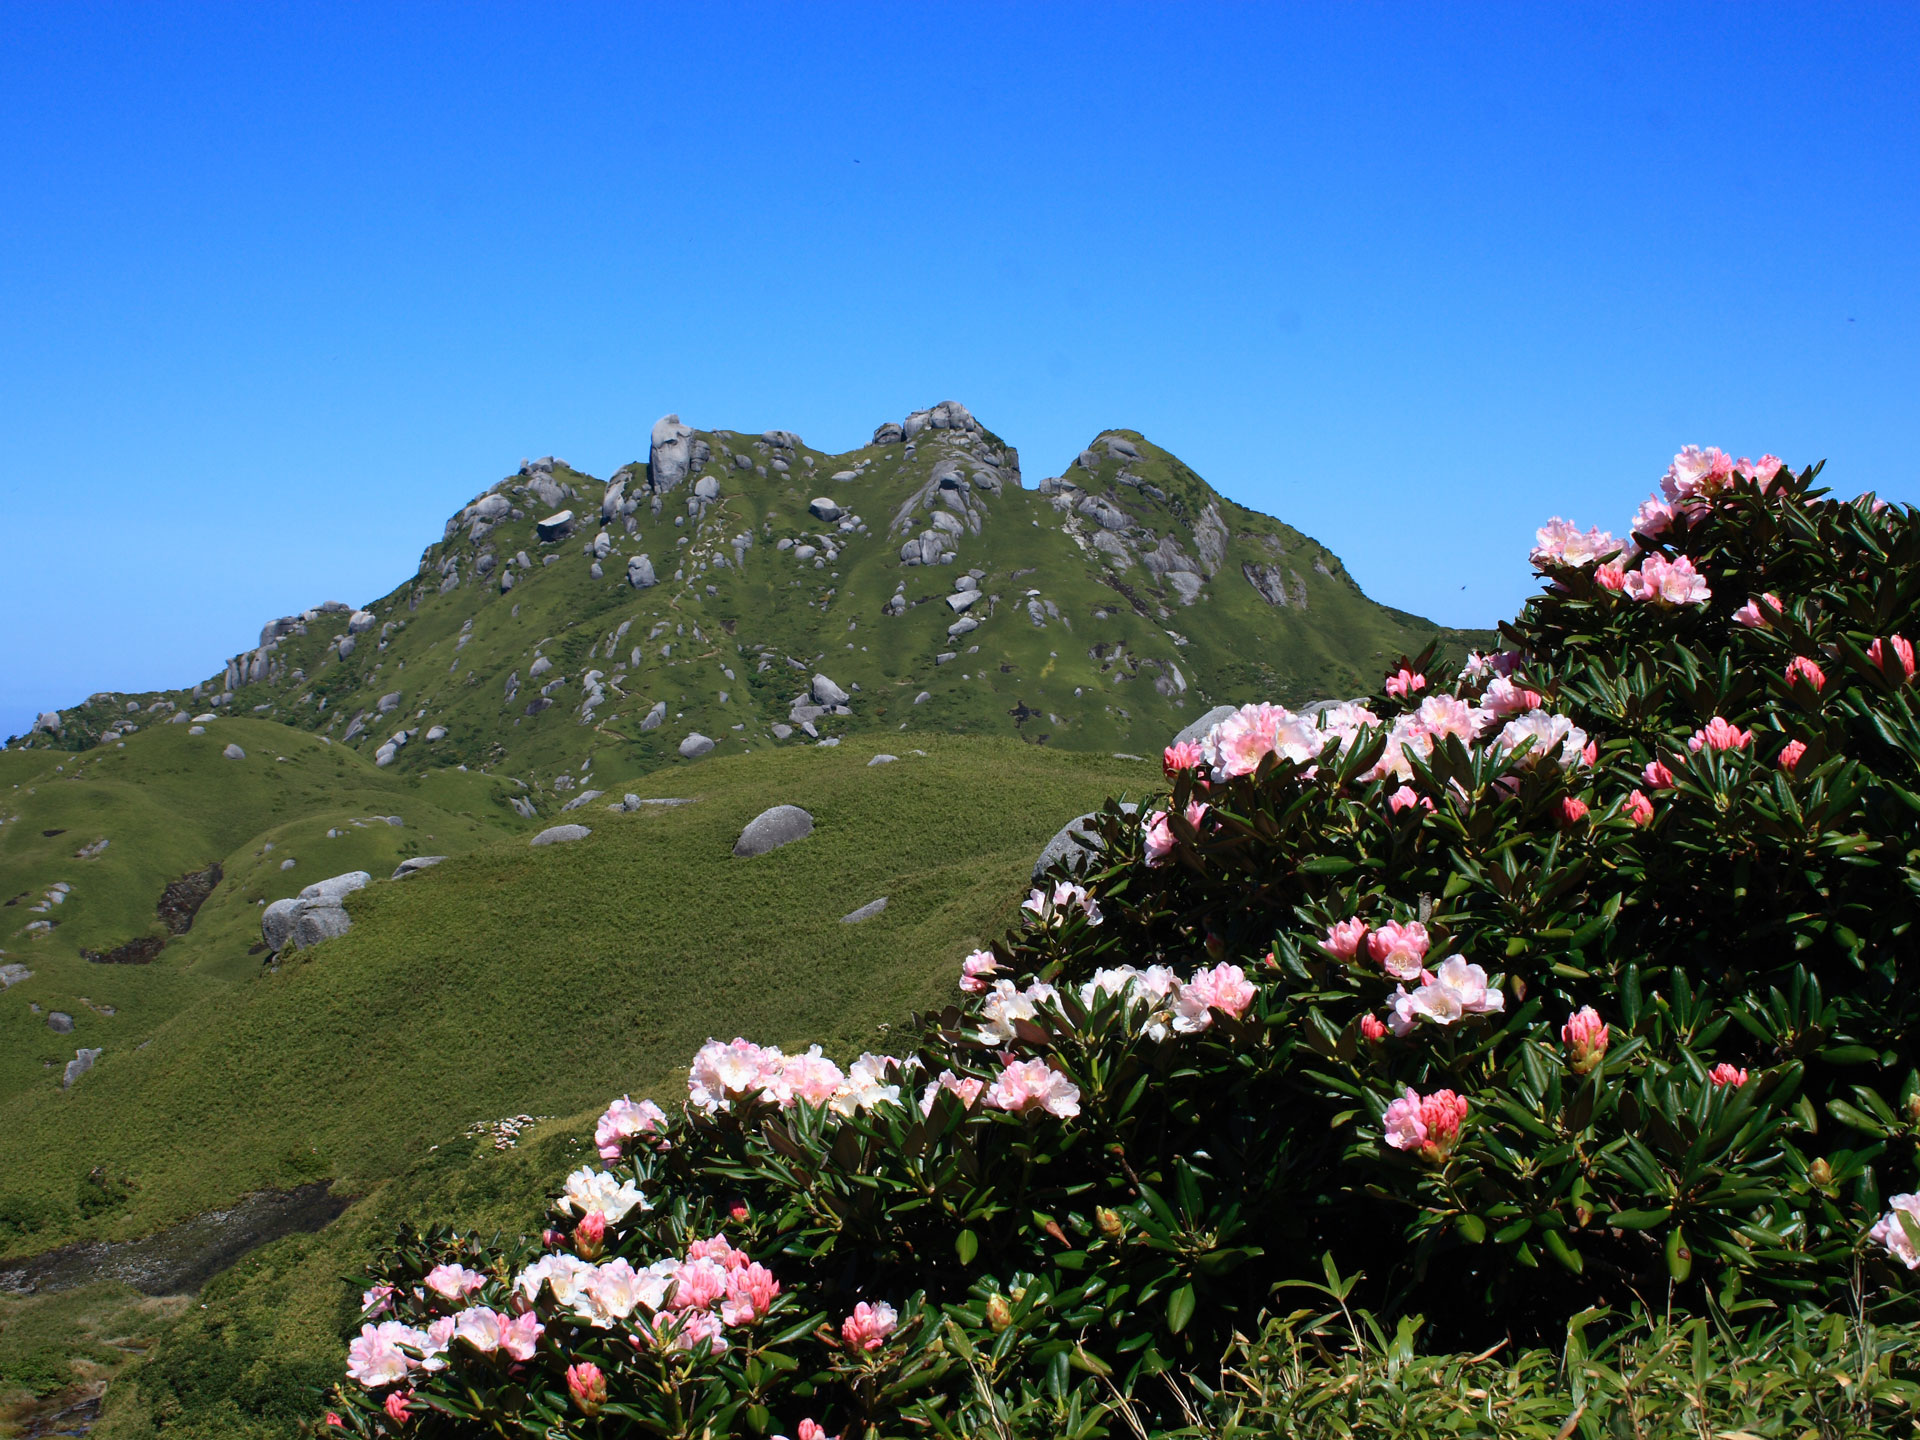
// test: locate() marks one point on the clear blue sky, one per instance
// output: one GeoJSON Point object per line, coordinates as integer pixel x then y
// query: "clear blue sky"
{"type": "Point", "coordinates": [282, 286]}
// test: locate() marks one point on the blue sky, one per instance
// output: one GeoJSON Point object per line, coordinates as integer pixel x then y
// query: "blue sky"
{"type": "Point", "coordinates": [282, 286]}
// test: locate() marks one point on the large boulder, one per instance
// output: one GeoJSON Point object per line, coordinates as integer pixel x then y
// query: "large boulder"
{"type": "Point", "coordinates": [556, 526]}
{"type": "Point", "coordinates": [234, 752]}
{"type": "Point", "coordinates": [337, 887]}
{"type": "Point", "coordinates": [1198, 729]}
{"type": "Point", "coordinates": [560, 835]}
{"type": "Point", "coordinates": [640, 572]}
{"type": "Point", "coordinates": [1075, 842]}
{"type": "Point", "coordinates": [319, 921]}
{"type": "Point", "coordinates": [824, 508]}
{"type": "Point", "coordinates": [416, 865]}
{"type": "Point", "coordinates": [865, 912]}
{"type": "Point", "coordinates": [360, 622]}
{"type": "Point", "coordinates": [694, 746]}
{"type": "Point", "coordinates": [672, 453]}
{"type": "Point", "coordinates": [771, 829]}
{"type": "Point", "coordinates": [656, 717]}
{"type": "Point", "coordinates": [825, 692]}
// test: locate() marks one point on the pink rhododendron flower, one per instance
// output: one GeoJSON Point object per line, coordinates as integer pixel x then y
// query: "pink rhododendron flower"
{"type": "Point", "coordinates": [968, 1089]}
{"type": "Point", "coordinates": [1585, 1035]}
{"type": "Point", "coordinates": [1443, 715]}
{"type": "Point", "coordinates": [722, 1073]}
{"type": "Point", "coordinates": [720, 1250]}
{"type": "Point", "coordinates": [375, 1357]}
{"type": "Point", "coordinates": [1660, 581]}
{"type": "Point", "coordinates": [1638, 808]}
{"type": "Point", "coordinates": [1405, 683]}
{"type": "Point", "coordinates": [810, 1079]}
{"type": "Point", "coordinates": [1343, 939]}
{"type": "Point", "coordinates": [1697, 474]}
{"type": "Point", "coordinates": [975, 969]}
{"type": "Point", "coordinates": [868, 1327]}
{"type": "Point", "coordinates": [562, 1275]}
{"type": "Point", "coordinates": [1159, 838]}
{"type": "Point", "coordinates": [1224, 988]}
{"type": "Point", "coordinates": [1245, 738]}
{"type": "Point", "coordinates": [1611, 576]}
{"type": "Point", "coordinates": [377, 1300]}
{"type": "Point", "coordinates": [1187, 755]}
{"type": "Point", "coordinates": [1559, 543]}
{"type": "Point", "coordinates": [1032, 1085]}
{"type": "Point", "coordinates": [750, 1295]}
{"type": "Point", "coordinates": [1572, 810]}
{"type": "Point", "coordinates": [1400, 947]}
{"type": "Point", "coordinates": [1657, 776]}
{"type": "Point", "coordinates": [454, 1282]}
{"type": "Point", "coordinates": [333, 1418]}
{"type": "Point", "coordinates": [481, 1327]}
{"type": "Point", "coordinates": [686, 1330]}
{"type": "Point", "coordinates": [867, 1085]}
{"type": "Point", "coordinates": [396, 1406]}
{"type": "Point", "coordinates": [607, 1294]}
{"type": "Point", "coordinates": [1372, 1027]}
{"type": "Point", "coordinates": [1725, 1074]}
{"type": "Point", "coordinates": [623, 1121]}
{"type": "Point", "coordinates": [1752, 616]}
{"type": "Point", "coordinates": [1790, 754]}
{"type": "Point", "coordinates": [1903, 653]}
{"type": "Point", "coordinates": [587, 1383]}
{"type": "Point", "coordinates": [697, 1285]}
{"type": "Point", "coordinates": [1406, 797]}
{"type": "Point", "coordinates": [589, 1236]}
{"type": "Point", "coordinates": [1761, 472]}
{"type": "Point", "coordinates": [1654, 517]}
{"type": "Point", "coordinates": [1889, 1232]}
{"type": "Point", "coordinates": [1590, 753]}
{"type": "Point", "coordinates": [1718, 734]}
{"type": "Point", "coordinates": [1802, 671]}
{"type": "Point", "coordinates": [1504, 698]}
{"type": "Point", "coordinates": [1426, 1125]}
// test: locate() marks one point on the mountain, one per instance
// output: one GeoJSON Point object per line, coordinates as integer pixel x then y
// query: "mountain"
{"type": "Point", "coordinates": [562, 621]}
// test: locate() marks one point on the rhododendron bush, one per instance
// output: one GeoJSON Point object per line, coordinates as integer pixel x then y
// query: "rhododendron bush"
{"type": "Point", "coordinates": [1583, 977]}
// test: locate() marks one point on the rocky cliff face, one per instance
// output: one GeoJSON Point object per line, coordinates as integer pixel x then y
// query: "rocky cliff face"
{"type": "Point", "coordinates": [745, 590]}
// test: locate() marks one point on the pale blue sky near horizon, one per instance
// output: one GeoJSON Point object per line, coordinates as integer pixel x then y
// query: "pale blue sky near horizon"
{"type": "Point", "coordinates": [282, 286]}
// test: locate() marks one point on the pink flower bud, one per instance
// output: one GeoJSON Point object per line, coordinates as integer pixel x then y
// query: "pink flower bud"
{"type": "Point", "coordinates": [587, 1383]}
{"type": "Point", "coordinates": [1725, 1074]}
{"type": "Point", "coordinates": [396, 1406]}
{"type": "Point", "coordinates": [1790, 754]}
{"type": "Point", "coordinates": [589, 1235]}
{"type": "Point", "coordinates": [975, 970]}
{"type": "Point", "coordinates": [1638, 808]}
{"type": "Point", "coordinates": [812, 1430]}
{"type": "Point", "coordinates": [1572, 810]}
{"type": "Point", "coordinates": [1343, 940]}
{"type": "Point", "coordinates": [1590, 753]}
{"type": "Point", "coordinates": [1802, 671]}
{"type": "Point", "coordinates": [1657, 776]}
{"type": "Point", "coordinates": [1903, 655]}
{"type": "Point", "coordinates": [1187, 755]}
{"type": "Point", "coordinates": [1373, 1028]}
{"type": "Point", "coordinates": [1405, 683]}
{"type": "Point", "coordinates": [1585, 1034]}
{"type": "Point", "coordinates": [1752, 616]}
{"type": "Point", "coordinates": [1719, 734]}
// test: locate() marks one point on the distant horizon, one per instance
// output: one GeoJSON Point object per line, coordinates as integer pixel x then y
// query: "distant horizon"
{"type": "Point", "coordinates": [286, 284]}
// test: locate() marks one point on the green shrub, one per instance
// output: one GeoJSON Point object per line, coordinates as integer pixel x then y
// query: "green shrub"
{"type": "Point", "coordinates": [1582, 986]}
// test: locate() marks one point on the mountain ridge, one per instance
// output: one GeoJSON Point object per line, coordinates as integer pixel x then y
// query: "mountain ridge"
{"type": "Point", "coordinates": [687, 602]}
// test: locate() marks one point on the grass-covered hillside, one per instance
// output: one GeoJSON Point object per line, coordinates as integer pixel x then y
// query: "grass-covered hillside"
{"type": "Point", "coordinates": [509, 979]}
{"type": "Point", "coordinates": [699, 590]}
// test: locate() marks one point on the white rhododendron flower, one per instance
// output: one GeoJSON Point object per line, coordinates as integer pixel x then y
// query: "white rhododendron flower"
{"type": "Point", "coordinates": [1889, 1232]}
{"type": "Point", "coordinates": [1554, 737]}
{"type": "Point", "coordinates": [866, 1085]}
{"type": "Point", "coordinates": [561, 1274]}
{"type": "Point", "coordinates": [1152, 988]}
{"type": "Point", "coordinates": [595, 1192]}
{"type": "Point", "coordinates": [1457, 989]}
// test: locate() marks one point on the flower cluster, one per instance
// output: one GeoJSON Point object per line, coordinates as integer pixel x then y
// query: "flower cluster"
{"type": "Point", "coordinates": [1055, 906]}
{"type": "Point", "coordinates": [726, 1072]}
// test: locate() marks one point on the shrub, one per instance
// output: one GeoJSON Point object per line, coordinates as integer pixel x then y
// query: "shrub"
{"type": "Point", "coordinates": [1580, 985]}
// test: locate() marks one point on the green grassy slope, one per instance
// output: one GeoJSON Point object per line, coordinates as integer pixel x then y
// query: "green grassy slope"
{"type": "Point", "coordinates": [516, 979]}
